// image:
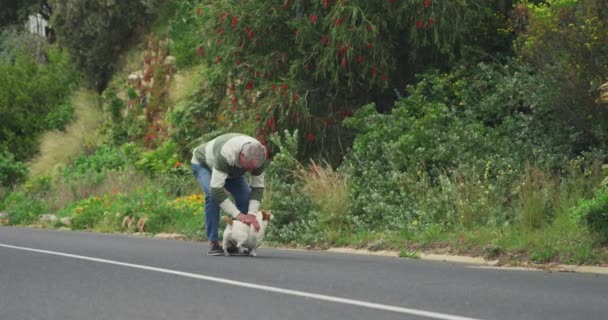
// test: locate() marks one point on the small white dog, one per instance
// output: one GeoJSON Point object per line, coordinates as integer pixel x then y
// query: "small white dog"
{"type": "Point", "coordinates": [244, 236]}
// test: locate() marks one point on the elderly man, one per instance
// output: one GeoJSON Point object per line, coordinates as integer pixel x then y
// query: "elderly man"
{"type": "Point", "coordinates": [220, 165]}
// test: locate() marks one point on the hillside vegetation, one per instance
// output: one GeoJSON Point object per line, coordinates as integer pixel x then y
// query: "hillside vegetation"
{"type": "Point", "coordinates": [472, 127]}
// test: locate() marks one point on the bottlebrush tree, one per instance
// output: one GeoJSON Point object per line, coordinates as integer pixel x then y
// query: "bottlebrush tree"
{"type": "Point", "coordinates": [308, 64]}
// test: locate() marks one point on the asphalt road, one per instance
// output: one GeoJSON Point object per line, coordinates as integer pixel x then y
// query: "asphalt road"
{"type": "Point", "coordinates": [47, 274]}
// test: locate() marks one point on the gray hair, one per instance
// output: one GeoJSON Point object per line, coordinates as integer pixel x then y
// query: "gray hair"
{"type": "Point", "coordinates": [254, 151]}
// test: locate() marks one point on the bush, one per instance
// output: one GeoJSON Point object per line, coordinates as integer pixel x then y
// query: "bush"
{"type": "Point", "coordinates": [23, 209]}
{"type": "Point", "coordinates": [292, 208]}
{"type": "Point", "coordinates": [31, 91]}
{"type": "Point", "coordinates": [11, 171]}
{"type": "Point", "coordinates": [57, 119]}
{"type": "Point", "coordinates": [453, 134]}
{"type": "Point", "coordinates": [593, 213]}
{"type": "Point", "coordinates": [565, 39]}
{"type": "Point", "coordinates": [104, 159]}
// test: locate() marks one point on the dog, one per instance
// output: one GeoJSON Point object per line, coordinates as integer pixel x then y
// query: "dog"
{"type": "Point", "coordinates": [243, 236]}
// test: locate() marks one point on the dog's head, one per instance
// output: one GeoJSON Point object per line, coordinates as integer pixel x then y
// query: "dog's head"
{"type": "Point", "coordinates": [267, 215]}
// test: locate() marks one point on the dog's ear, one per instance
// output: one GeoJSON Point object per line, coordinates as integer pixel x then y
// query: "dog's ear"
{"type": "Point", "coordinates": [228, 220]}
{"type": "Point", "coordinates": [266, 215]}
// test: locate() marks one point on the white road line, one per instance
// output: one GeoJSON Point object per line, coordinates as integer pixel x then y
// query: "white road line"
{"type": "Point", "coordinates": [359, 303]}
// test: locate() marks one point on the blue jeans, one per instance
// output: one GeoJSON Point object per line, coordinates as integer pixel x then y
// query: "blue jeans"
{"type": "Point", "coordinates": [238, 187]}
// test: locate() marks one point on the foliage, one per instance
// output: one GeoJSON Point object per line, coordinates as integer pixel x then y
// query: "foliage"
{"type": "Point", "coordinates": [123, 126]}
{"type": "Point", "coordinates": [57, 119]}
{"type": "Point", "coordinates": [96, 32]}
{"type": "Point", "coordinates": [308, 65]}
{"type": "Point", "coordinates": [566, 40]}
{"type": "Point", "coordinates": [454, 134]}
{"type": "Point", "coordinates": [22, 208]}
{"type": "Point", "coordinates": [16, 11]}
{"type": "Point", "coordinates": [105, 158]}
{"type": "Point", "coordinates": [292, 208]}
{"type": "Point", "coordinates": [162, 213]}
{"type": "Point", "coordinates": [29, 93]}
{"type": "Point", "coordinates": [593, 213]}
{"type": "Point", "coordinates": [11, 171]}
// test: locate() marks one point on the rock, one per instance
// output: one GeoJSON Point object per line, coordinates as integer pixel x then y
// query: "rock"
{"type": "Point", "coordinates": [66, 221]}
{"type": "Point", "coordinates": [50, 218]}
{"type": "Point", "coordinates": [3, 218]}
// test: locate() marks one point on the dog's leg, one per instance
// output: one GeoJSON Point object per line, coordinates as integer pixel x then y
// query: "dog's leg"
{"type": "Point", "coordinates": [225, 246]}
{"type": "Point", "coordinates": [252, 253]}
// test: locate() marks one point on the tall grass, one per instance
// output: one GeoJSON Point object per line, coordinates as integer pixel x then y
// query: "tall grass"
{"type": "Point", "coordinates": [59, 148]}
{"type": "Point", "coordinates": [328, 191]}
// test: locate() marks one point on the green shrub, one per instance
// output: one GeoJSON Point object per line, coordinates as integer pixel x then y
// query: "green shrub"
{"type": "Point", "coordinates": [23, 209]}
{"type": "Point", "coordinates": [452, 150]}
{"type": "Point", "coordinates": [163, 213]}
{"type": "Point", "coordinates": [593, 213]}
{"type": "Point", "coordinates": [565, 40]}
{"type": "Point", "coordinates": [31, 91]}
{"type": "Point", "coordinates": [59, 117]}
{"type": "Point", "coordinates": [11, 171]}
{"type": "Point", "coordinates": [105, 158]}
{"type": "Point", "coordinates": [292, 209]}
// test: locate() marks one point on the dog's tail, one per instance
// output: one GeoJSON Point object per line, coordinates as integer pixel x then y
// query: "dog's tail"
{"type": "Point", "coordinates": [228, 220]}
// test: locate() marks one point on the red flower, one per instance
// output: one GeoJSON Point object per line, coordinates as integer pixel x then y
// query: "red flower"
{"type": "Point", "coordinates": [270, 123]}
{"type": "Point", "coordinates": [324, 40]}
{"type": "Point", "coordinates": [373, 71]}
{"type": "Point", "coordinates": [370, 45]}
{"type": "Point", "coordinates": [310, 136]}
{"type": "Point", "coordinates": [325, 3]}
{"type": "Point", "coordinates": [274, 87]}
{"type": "Point", "coordinates": [235, 21]}
{"type": "Point", "coordinates": [199, 51]}
{"type": "Point", "coordinates": [419, 24]}
{"type": "Point", "coordinates": [430, 23]}
{"type": "Point", "coordinates": [427, 3]}
{"type": "Point", "coordinates": [384, 77]}
{"type": "Point", "coordinates": [360, 59]}
{"type": "Point", "coordinates": [369, 27]}
{"type": "Point", "coordinates": [219, 31]}
{"type": "Point", "coordinates": [338, 21]}
{"type": "Point", "coordinates": [344, 63]}
{"type": "Point", "coordinates": [199, 11]}
{"type": "Point", "coordinates": [313, 18]}
{"type": "Point", "coordinates": [391, 1]}
{"type": "Point", "coordinates": [249, 86]}
{"type": "Point", "coordinates": [284, 86]}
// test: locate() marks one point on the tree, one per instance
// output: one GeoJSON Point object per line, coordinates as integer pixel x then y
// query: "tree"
{"type": "Point", "coordinates": [310, 64]}
{"type": "Point", "coordinates": [96, 31]}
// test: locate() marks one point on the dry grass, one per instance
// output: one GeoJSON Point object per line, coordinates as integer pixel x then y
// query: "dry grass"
{"type": "Point", "coordinates": [185, 82]}
{"type": "Point", "coordinates": [59, 148]}
{"type": "Point", "coordinates": [328, 190]}
{"type": "Point", "coordinates": [112, 182]}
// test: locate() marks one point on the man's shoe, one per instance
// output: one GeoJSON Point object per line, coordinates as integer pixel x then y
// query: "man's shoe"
{"type": "Point", "coordinates": [215, 250]}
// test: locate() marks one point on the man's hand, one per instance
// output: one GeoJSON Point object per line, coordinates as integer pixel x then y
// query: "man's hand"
{"type": "Point", "coordinates": [249, 219]}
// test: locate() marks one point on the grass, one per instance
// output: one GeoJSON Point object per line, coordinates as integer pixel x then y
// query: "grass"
{"type": "Point", "coordinates": [58, 148]}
